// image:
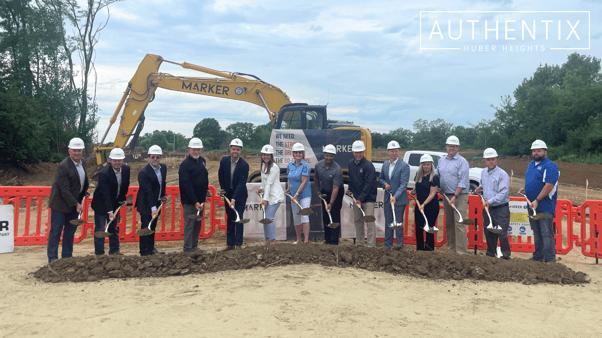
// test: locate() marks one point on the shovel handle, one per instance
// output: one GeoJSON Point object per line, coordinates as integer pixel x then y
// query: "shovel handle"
{"type": "Point", "coordinates": [325, 205]}
{"type": "Point", "coordinates": [294, 200]}
{"type": "Point", "coordinates": [355, 203]}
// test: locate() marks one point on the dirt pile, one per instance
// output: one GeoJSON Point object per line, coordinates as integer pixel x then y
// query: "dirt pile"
{"type": "Point", "coordinates": [423, 264]}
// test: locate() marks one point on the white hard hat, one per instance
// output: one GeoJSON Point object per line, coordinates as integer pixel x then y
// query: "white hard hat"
{"type": "Point", "coordinates": [298, 147]}
{"type": "Point", "coordinates": [393, 145]}
{"type": "Point", "coordinates": [117, 154]}
{"type": "Point", "coordinates": [267, 149]}
{"type": "Point", "coordinates": [489, 153]}
{"type": "Point", "coordinates": [358, 146]}
{"type": "Point", "coordinates": [236, 142]}
{"type": "Point", "coordinates": [426, 158]}
{"type": "Point", "coordinates": [539, 144]}
{"type": "Point", "coordinates": [330, 149]}
{"type": "Point", "coordinates": [453, 140]}
{"type": "Point", "coordinates": [76, 143]}
{"type": "Point", "coordinates": [195, 143]}
{"type": "Point", "coordinates": [155, 150]}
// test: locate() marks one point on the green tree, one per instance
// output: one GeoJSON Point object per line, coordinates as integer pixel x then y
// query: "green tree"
{"type": "Point", "coordinates": [402, 136]}
{"type": "Point", "coordinates": [261, 136]}
{"type": "Point", "coordinates": [210, 132]}
{"type": "Point", "coordinates": [242, 130]}
{"type": "Point", "coordinates": [431, 135]}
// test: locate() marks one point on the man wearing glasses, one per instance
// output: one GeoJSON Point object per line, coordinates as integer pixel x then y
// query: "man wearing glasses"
{"type": "Point", "coordinates": [151, 194]}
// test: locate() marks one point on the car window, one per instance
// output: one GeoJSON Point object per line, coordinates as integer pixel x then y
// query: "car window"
{"type": "Point", "coordinates": [314, 120]}
{"type": "Point", "coordinates": [414, 159]}
{"type": "Point", "coordinates": [436, 160]}
{"type": "Point", "coordinates": [291, 120]}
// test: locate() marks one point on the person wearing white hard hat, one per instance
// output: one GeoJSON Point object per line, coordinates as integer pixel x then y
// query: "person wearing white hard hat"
{"type": "Point", "coordinates": [66, 196]}
{"type": "Point", "coordinates": [233, 174]}
{"type": "Point", "coordinates": [495, 186]}
{"type": "Point", "coordinates": [453, 175]}
{"type": "Point", "coordinates": [328, 179]}
{"type": "Point", "coordinates": [151, 193]}
{"type": "Point", "coordinates": [113, 185]}
{"type": "Point", "coordinates": [425, 190]}
{"type": "Point", "coordinates": [193, 180]}
{"type": "Point", "coordinates": [541, 187]}
{"type": "Point", "coordinates": [298, 185]}
{"type": "Point", "coordinates": [394, 178]}
{"type": "Point", "coordinates": [362, 185]}
{"type": "Point", "coordinates": [272, 191]}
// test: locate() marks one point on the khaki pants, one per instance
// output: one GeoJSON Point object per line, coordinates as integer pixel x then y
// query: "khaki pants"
{"type": "Point", "coordinates": [457, 239]}
{"type": "Point", "coordinates": [370, 233]}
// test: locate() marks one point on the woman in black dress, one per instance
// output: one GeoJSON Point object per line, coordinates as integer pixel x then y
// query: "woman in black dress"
{"type": "Point", "coordinates": [427, 184]}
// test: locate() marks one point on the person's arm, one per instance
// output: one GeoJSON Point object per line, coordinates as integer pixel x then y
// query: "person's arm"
{"type": "Point", "coordinates": [403, 181]}
{"type": "Point", "coordinates": [384, 171]}
{"type": "Point", "coordinates": [242, 177]}
{"type": "Point", "coordinates": [185, 182]}
{"type": "Point", "coordinates": [62, 180]}
{"type": "Point", "coordinates": [369, 180]}
{"type": "Point", "coordinates": [544, 192]}
{"type": "Point", "coordinates": [104, 191]}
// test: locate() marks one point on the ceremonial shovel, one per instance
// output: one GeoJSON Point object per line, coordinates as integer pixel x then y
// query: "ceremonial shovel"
{"type": "Point", "coordinates": [394, 225]}
{"type": "Point", "coordinates": [535, 216]}
{"type": "Point", "coordinates": [331, 225]}
{"type": "Point", "coordinates": [263, 220]}
{"type": "Point", "coordinates": [79, 221]}
{"type": "Point", "coordinates": [147, 231]}
{"type": "Point", "coordinates": [427, 228]}
{"type": "Point", "coordinates": [237, 220]}
{"type": "Point", "coordinates": [463, 221]}
{"type": "Point", "coordinates": [364, 218]}
{"type": "Point", "coordinates": [304, 211]}
{"type": "Point", "coordinates": [198, 216]}
{"type": "Point", "coordinates": [105, 234]}
{"type": "Point", "coordinates": [495, 229]}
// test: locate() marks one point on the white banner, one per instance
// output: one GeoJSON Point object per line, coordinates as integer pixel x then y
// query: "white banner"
{"type": "Point", "coordinates": [519, 219]}
{"type": "Point", "coordinates": [283, 139]}
{"type": "Point", "coordinates": [7, 237]}
{"type": "Point", "coordinates": [253, 212]}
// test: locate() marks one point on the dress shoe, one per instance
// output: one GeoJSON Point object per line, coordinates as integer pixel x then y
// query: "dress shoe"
{"type": "Point", "coordinates": [116, 253]}
{"type": "Point", "coordinates": [228, 248]}
{"type": "Point", "coordinates": [238, 247]}
{"type": "Point", "coordinates": [155, 251]}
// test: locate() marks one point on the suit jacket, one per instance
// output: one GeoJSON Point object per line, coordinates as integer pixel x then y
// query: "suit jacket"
{"type": "Point", "coordinates": [65, 193]}
{"type": "Point", "coordinates": [148, 191]}
{"type": "Point", "coordinates": [239, 183]}
{"type": "Point", "coordinates": [398, 181]}
{"type": "Point", "coordinates": [106, 196]}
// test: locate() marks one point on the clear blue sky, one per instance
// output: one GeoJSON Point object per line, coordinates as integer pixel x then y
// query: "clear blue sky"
{"type": "Point", "coordinates": [363, 58]}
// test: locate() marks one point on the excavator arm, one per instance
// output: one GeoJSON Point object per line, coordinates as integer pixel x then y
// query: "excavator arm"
{"type": "Point", "coordinates": [141, 90]}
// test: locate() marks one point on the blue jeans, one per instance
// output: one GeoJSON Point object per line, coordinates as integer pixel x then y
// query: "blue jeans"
{"type": "Point", "coordinates": [269, 230]}
{"type": "Point", "coordinates": [543, 237]}
{"type": "Point", "coordinates": [59, 223]}
{"type": "Point", "coordinates": [399, 213]}
{"type": "Point", "coordinates": [100, 222]}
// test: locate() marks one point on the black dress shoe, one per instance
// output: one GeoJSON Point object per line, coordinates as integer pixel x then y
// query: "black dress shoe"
{"type": "Point", "coordinates": [155, 251]}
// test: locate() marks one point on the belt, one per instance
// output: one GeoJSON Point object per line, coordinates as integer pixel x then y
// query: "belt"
{"type": "Point", "coordinates": [498, 206]}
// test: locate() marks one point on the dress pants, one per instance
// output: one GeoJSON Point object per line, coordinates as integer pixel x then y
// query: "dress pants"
{"type": "Point", "coordinates": [365, 237]}
{"type": "Point", "coordinates": [457, 238]}
{"type": "Point", "coordinates": [147, 243]}
{"type": "Point", "coordinates": [192, 228]}
{"type": "Point", "coordinates": [234, 231]}
{"type": "Point", "coordinates": [424, 240]}
{"type": "Point", "coordinates": [59, 223]}
{"type": "Point", "coordinates": [501, 217]}
{"type": "Point", "coordinates": [399, 214]}
{"type": "Point", "coordinates": [331, 236]}
{"type": "Point", "coordinates": [100, 223]}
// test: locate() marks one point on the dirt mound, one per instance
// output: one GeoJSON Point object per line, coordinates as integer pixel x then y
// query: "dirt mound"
{"type": "Point", "coordinates": [430, 265]}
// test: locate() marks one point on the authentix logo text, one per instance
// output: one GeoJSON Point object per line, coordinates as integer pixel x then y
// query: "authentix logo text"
{"type": "Point", "coordinates": [504, 31]}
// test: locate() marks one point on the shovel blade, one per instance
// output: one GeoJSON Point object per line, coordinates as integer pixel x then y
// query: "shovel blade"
{"type": "Point", "coordinates": [102, 234]}
{"type": "Point", "coordinates": [394, 226]}
{"type": "Point", "coordinates": [195, 217]}
{"type": "Point", "coordinates": [77, 222]}
{"type": "Point", "coordinates": [368, 219]}
{"type": "Point", "coordinates": [495, 230]}
{"type": "Point", "coordinates": [334, 225]}
{"type": "Point", "coordinates": [144, 232]}
{"type": "Point", "coordinates": [305, 212]}
{"type": "Point", "coordinates": [539, 216]}
{"type": "Point", "coordinates": [244, 220]}
{"type": "Point", "coordinates": [265, 221]}
{"type": "Point", "coordinates": [469, 221]}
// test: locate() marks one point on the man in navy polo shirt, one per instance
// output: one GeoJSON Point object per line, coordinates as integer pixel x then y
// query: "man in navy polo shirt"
{"type": "Point", "coordinates": [541, 187]}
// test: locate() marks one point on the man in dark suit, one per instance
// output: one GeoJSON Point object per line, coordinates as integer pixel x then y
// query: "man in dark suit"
{"type": "Point", "coordinates": [194, 182]}
{"type": "Point", "coordinates": [151, 192]}
{"type": "Point", "coordinates": [394, 177]}
{"type": "Point", "coordinates": [113, 185]}
{"type": "Point", "coordinates": [233, 174]}
{"type": "Point", "coordinates": [66, 199]}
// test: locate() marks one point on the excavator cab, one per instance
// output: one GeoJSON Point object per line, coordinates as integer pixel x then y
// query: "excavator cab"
{"type": "Point", "coordinates": [301, 116]}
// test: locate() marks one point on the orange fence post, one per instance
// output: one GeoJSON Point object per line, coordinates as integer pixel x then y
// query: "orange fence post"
{"type": "Point", "coordinates": [591, 242]}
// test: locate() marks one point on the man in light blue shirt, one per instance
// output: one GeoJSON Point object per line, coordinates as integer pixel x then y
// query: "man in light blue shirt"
{"type": "Point", "coordinates": [495, 186]}
{"type": "Point", "coordinates": [453, 174]}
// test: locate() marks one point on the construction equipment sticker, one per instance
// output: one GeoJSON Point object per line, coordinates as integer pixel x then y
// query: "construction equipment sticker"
{"type": "Point", "coordinates": [7, 237]}
{"type": "Point", "coordinates": [519, 219]}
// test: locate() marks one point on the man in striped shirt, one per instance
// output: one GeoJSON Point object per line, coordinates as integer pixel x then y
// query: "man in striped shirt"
{"type": "Point", "coordinates": [495, 186]}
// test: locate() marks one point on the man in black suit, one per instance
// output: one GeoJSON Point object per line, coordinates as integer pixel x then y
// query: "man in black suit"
{"type": "Point", "coordinates": [194, 182]}
{"type": "Point", "coordinates": [66, 199]}
{"type": "Point", "coordinates": [151, 192]}
{"type": "Point", "coordinates": [233, 173]}
{"type": "Point", "coordinates": [113, 185]}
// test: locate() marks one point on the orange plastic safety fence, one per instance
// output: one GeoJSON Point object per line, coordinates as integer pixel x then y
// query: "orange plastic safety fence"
{"type": "Point", "coordinates": [591, 241]}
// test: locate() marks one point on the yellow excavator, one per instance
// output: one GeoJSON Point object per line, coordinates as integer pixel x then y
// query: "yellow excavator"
{"type": "Point", "coordinates": [293, 122]}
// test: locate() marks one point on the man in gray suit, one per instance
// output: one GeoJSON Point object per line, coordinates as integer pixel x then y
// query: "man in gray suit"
{"type": "Point", "coordinates": [65, 201]}
{"type": "Point", "coordinates": [394, 178]}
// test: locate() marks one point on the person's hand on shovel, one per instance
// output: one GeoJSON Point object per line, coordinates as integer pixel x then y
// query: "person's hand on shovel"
{"type": "Point", "coordinates": [155, 213]}
{"type": "Point", "coordinates": [111, 216]}
{"type": "Point", "coordinates": [328, 207]}
{"type": "Point", "coordinates": [358, 203]}
{"type": "Point", "coordinates": [199, 206]}
{"type": "Point", "coordinates": [80, 207]}
{"type": "Point", "coordinates": [232, 204]}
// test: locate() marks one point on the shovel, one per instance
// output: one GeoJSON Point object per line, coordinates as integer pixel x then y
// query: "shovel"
{"type": "Point", "coordinates": [331, 225]}
{"type": "Point", "coordinates": [495, 229]}
{"type": "Point", "coordinates": [535, 216]}
{"type": "Point", "coordinates": [394, 225]}
{"type": "Point", "coordinates": [364, 218]}
{"type": "Point", "coordinates": [198, 216]}
{"type": "Point", "coordinates": [304, 211]}
{"type": "Point", "coordinates": [263, 220]}
{"type": "Point", "coordinates": [79, 221]}
{"type": "Point", "coordinates": [147, 231]}
{"type": "Point", "coordinates": [238, 220]}
{"type": "Point", "coordinates": [463, 221]}
{"type": "Point", "coordinates": [105, 234]}
{"type": "Point", "coordinates": [427, 228]}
